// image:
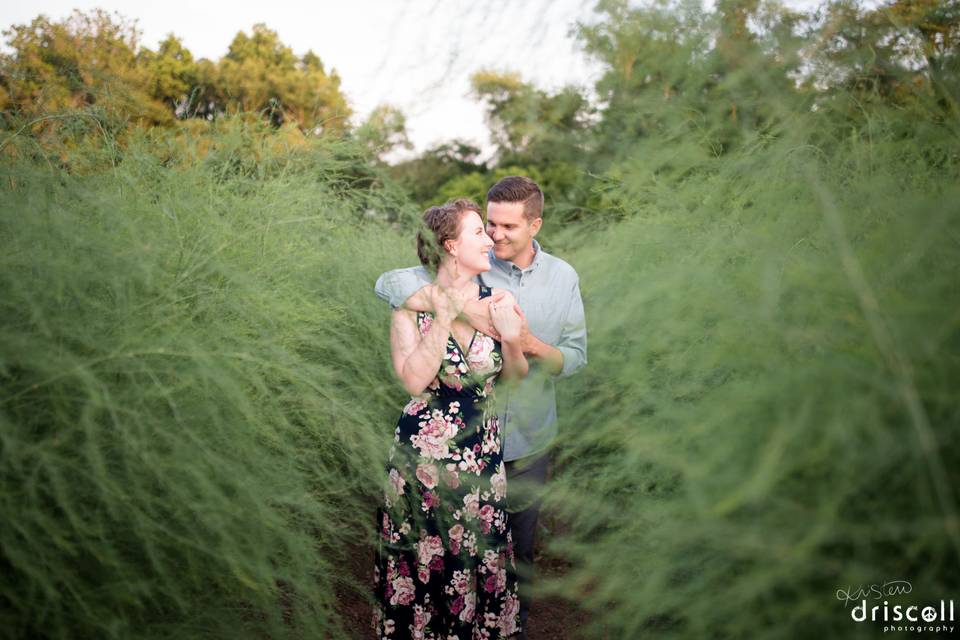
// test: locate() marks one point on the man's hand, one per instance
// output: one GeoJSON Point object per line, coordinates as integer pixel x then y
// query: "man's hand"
{"type": "Point", "coordinates": [549, 356]}
{"type": "Point", "coordinates": [525, 336]}
{"type": "Point", "coordinates": [507, 321]}
{"type": "Point", "coordinates": [477, 314]}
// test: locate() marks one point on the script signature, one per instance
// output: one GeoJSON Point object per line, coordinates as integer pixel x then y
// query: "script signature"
{"type": "Point", "coordinates": [875, 591]}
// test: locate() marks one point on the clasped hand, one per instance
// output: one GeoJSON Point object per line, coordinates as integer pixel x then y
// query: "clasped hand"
{"type": "Point", "coordinates": [506, 318]}
{"type": "Point", "coordinates": [447, 303]}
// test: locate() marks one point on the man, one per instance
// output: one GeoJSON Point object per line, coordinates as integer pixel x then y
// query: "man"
{"type": "Point", "coordinates": [547, 291]}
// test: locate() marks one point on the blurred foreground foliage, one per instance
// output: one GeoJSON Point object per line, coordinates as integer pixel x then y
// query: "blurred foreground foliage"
{"type": "Point", "coordinates": [762, 205]}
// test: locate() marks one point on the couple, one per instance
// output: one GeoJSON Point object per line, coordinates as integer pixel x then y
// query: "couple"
{"type": "Point", "coordinates": [445, 562]}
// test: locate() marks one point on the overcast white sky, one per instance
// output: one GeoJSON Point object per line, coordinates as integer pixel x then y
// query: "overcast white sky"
{"type": "Point", "coordinates": [415, 54]}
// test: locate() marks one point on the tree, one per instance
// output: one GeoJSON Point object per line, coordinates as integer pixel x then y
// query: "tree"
{"type": "Point", "coordinates": [172, 74]}
{"type": "Point", "coordinates": [424, 175]}
{"type": "Point", "coordinates": [261, 74]}
{"type": "Point", "coordinates": [530, 126]}
{"type": "Point", "coordinates": [384, 130]}
{"type": "Point", "coordinates": [84, 60]}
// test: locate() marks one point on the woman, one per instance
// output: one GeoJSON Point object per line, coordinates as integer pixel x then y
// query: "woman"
{"type": "Point", "coordinates": [444, 566]}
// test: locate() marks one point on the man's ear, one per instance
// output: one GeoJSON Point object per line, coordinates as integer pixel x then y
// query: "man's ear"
{"type": "Point", "coordinates": [535, 226]}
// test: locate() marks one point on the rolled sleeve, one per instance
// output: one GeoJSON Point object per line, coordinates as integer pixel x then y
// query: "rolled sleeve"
{"type": "Point", "coordinates": [573, 339]}
{"type": "Point", "coordinates": [399, 284]}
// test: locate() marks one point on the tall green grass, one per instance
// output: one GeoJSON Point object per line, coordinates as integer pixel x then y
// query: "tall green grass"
{"type": "Point", "coordinates": [191, 362]}
{"type": "Point", "coordinates": [769, 413]}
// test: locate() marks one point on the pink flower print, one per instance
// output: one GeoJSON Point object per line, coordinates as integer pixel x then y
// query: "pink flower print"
{"type": "Point", "coordinates": [423, 574]}
{"type": "Point", "coordinates": [487, 514]}
{"type": "Point", "coordinates": [469, 462]}
{"type": "Point", "coordinates": [479, 356]}
{"type": "Point", "coordinates": [428, 474]}
{"type": "Point", "coordinates": [451, 377]}
{"type": "Point", "coordinates": [430, 500]}
{"type": "Point", "coordinates": [397, 482]}
{"type": "Point", "coordinates": [498, 482]}
{"type": "Point", "coordinates": [508, 615]}
{"type": "Point", "coordinates": [432, 439]}
{"type": "Point", "coordinates": [469, 607]}
{"type": "Point", "coordinates": [416, 405]}
{"type": "Point", "coordinates": [451, 476]}
{"type": "Point", "coordinates": [428, 547]}
{"type": "Point", "coordinates": [425, 323]}
{"type": "Point", "coordinates": [457, 605]}
{"type": "Point", "coordinates": [460, 582]}
{"type": "Point", "coordinates": [420, 619]}
{"type": "Point", "coordinates": [456, 535]}
{"type": "Point", "coordinates": [454, 407]}
{"type": "Point", "coordinates": [471, 502]}
{"type": "Point", "coordinates": [404, 591]}
{"type": "Point", "coordinates": [490, 584]}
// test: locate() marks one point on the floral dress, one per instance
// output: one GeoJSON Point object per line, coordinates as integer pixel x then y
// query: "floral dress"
{"type": "Point", "coordinates": [444, 565]}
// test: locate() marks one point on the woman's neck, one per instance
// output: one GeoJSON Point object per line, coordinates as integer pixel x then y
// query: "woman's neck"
{"type": "Point", "coordinates": [449, 279]}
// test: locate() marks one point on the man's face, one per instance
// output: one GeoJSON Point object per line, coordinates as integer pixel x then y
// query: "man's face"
{"type": "Point", "coordinates": [510, 230]}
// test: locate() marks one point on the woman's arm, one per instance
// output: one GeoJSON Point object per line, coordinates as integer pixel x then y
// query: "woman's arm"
{"type": "Point", "coordinates": [508, 323]}
{"type": "Point", "coordinates": [416, 357]}
{"type": "Point", "coordinates": [475, 311]}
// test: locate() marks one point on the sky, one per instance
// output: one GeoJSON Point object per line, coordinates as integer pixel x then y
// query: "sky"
{"type": "Point", "coordinates": [417, 55]}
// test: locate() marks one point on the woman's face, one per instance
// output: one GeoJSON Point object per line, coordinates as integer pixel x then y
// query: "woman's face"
{"type": "Point", "coordinates": [472, 247]}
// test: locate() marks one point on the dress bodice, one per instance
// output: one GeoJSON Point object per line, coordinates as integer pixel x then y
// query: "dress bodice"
{"type": "Point", "coordinates": [468, 371]}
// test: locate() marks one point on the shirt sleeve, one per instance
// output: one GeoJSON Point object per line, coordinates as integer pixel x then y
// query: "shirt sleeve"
{"type": "Point", "coordinates": [573, 338]}
{"type": "Point", "coordinates": [398, 285]}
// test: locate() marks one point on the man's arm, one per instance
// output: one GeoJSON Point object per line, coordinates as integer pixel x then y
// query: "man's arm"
{"type": "Point", "coordinates": [573, 339]}
{"type": "Point", "coordinates": [406, 288]}
{"type": "Point", "coordinates": [570, 353]}
{"type": "Point", "coordinates": [398, 285]}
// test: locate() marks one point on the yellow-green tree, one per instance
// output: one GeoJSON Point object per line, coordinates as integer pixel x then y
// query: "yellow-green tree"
{"type": "Point", "coordinates": [261, 74]}
{"type": "Point", "coordinates": [95, 60]}
{"type": "Point", "coordinates": [87, 59]}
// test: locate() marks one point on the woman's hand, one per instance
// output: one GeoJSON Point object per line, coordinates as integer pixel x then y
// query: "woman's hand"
{"type": "Point", "coordinates": [447, 303]}
{"type": "Point", "coordinates": [506, 320]}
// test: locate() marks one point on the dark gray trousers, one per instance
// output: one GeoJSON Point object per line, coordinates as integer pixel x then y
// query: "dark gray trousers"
{"type": "Point", "coordinates": [526, 478]}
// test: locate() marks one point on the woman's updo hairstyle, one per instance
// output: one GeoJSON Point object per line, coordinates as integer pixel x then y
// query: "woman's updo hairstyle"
{"type": "Point", "coordinates": [439, 225]}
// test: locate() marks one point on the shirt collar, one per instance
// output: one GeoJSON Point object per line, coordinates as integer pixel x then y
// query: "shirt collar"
{"type": "Point", "coordinates": [507, 265]}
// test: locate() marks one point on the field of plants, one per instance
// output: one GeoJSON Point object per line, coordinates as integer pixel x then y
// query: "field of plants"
{"type": "Point", "coordinates": [196, 397]}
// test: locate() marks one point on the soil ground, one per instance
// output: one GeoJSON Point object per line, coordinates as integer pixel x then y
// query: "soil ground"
{"type": "Point", "coordinates": [551, 618]}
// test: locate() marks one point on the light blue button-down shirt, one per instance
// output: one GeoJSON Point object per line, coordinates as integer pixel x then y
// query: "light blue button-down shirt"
{"type": "Point", "coordinates": [548, 291]}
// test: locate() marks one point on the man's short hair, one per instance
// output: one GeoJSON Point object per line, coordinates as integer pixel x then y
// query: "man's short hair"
{"type": "Point", "coordinates": [519, 189]}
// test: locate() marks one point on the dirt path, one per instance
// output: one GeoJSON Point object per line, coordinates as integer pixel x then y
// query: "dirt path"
{"type": "Point", "coordinates": [550, 618]}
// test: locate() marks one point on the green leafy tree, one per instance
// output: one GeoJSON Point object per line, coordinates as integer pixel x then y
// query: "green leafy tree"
{"type": "Point", "coordinates": [384, 130]}
{"type": "Point", "coordinates": [424, 175]}
{"type": "Point", "coordinates": [88, 59]}
{"type": "Point", "coordinates": [899, 53]}
{"type": "Point", "coordinates": [529, 125]}
{"type": "Point", "coordinates": [172, 74]}
{"type": "Point", "coordinates": [261, 74]}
